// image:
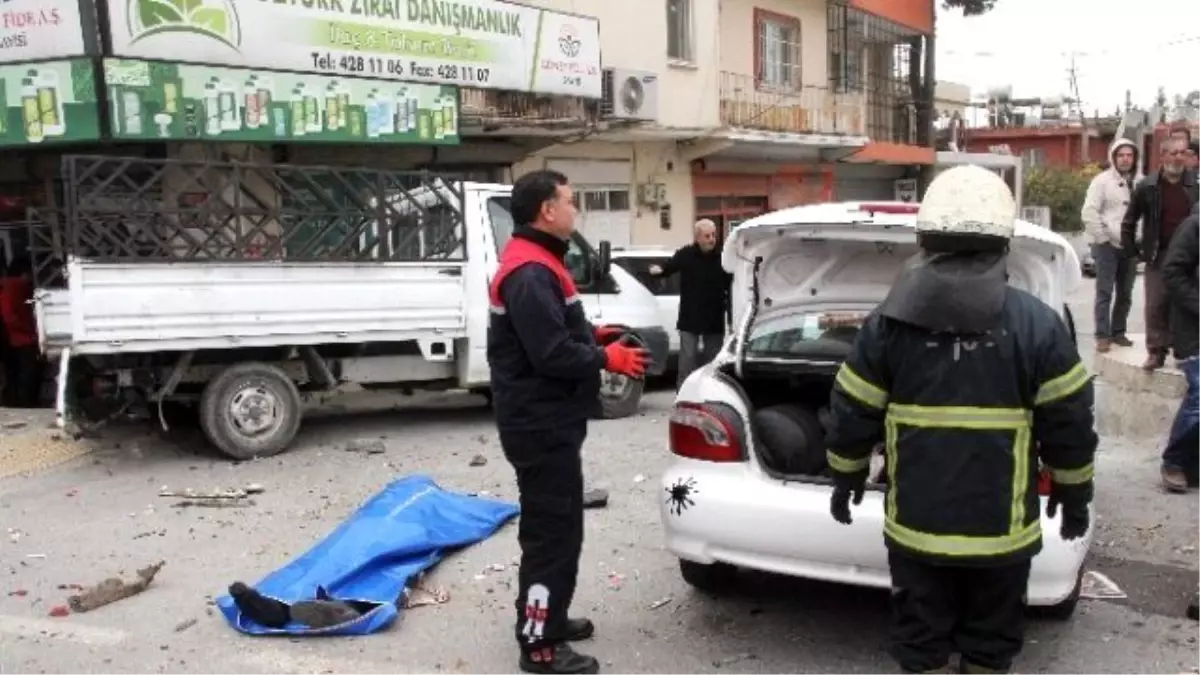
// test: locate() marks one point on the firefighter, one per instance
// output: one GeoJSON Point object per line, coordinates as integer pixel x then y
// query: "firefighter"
{"type": "Point", "coordinates": [968, 382]}
{"type": "Point", "coordinates": [545, 360]}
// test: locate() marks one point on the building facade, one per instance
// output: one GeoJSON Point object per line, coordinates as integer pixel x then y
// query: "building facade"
{"type": "Point", "coordinates": [788, 102]}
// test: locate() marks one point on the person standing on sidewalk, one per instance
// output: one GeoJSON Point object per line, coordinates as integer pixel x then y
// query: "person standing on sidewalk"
{"type": "Point", "coordinates": [545, 359]}
{"type": "Point", "coordinates": [1105, 205]}
{"type": "Point", "coordinates": [1181, 459]}
{"type": "Point", "coordinates": [1160, 202]}
{"type": "Point", "coordinates": [703, 298]}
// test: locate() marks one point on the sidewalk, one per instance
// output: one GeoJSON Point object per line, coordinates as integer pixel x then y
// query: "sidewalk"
{"type": "Point", "coordinates": [29, 442]}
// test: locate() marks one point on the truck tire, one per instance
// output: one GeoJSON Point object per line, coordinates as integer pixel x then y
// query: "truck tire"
{"type": "Point", "coordinates": [714, 578]}
{"type": "Point", "coordinates": [250, 410]}
{"type": "Point", "coordinates": [620, 397]}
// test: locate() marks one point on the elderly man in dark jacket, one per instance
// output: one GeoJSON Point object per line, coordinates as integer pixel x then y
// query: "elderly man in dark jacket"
{"type": "Point", "coordinates": [1160, 203]}
{"type": "Point", "coordinates": [1179, 269]}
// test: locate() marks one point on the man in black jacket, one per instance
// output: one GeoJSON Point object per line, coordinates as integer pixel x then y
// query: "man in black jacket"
{"type": "Point", "coordinates": [1179, 268]}
{"type": "Point", "coordinates": [969, 383]}
{"type": "Point", "coordinates": [545, 364]}
{"type": "Point", "coordinates": [1161, 202]}
{"type": "Point", "coordinates": [703, 298]}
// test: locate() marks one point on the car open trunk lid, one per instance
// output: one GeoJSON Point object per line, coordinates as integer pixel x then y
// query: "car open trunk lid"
{"type": "Point", "coordinates": [848, 255]}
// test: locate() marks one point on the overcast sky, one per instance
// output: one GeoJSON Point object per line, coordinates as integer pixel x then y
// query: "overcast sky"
{"type": "Point", "coordinates": [1137, 45]}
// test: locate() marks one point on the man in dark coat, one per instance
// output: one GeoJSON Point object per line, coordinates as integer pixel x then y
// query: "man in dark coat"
{"type": "Point", "coordinates": [1179, 270]}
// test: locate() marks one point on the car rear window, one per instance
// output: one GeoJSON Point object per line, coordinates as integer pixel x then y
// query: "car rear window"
{"type": "Point", "coordinates": [639, 267]}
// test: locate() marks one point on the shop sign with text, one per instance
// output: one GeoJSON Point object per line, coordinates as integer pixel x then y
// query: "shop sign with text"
{"type": "Point", "coordinates": [40, 29]}
{"type": "Point", "coordinates": [474, 43]}
{"type": "Point", "coordinates": [151, 100]}
{"type": "Point", "coordinates": [48, 102]}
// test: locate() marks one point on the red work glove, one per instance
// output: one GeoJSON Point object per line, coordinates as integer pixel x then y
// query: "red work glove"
{"type": "Point", "coordinates": [625, 360]}
{"type": "Point", "coordinates": [607, 334]}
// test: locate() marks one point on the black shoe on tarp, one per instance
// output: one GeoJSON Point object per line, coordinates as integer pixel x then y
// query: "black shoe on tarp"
{"type": "Point", "coordinates": [560, 658]}
{"type": "Point", "coordinates": [579, 629]}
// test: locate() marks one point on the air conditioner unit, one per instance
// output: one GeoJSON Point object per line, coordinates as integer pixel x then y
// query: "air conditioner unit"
{"type": "Point", "coordinates": [1038, 215]}
{"type": "Point", "coordinates": [629, 95]}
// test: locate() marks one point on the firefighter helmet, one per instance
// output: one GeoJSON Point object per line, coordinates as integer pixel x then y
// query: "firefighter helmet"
{"type": "Point", "coordinates": [968, 201]}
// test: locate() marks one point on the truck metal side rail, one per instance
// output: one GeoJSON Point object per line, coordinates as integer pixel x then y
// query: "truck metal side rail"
{"type": "Point", "coordinates": [130, 210]}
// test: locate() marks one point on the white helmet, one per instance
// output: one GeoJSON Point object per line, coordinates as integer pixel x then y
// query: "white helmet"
{"type": "Point", "coordinates": [968, 200]}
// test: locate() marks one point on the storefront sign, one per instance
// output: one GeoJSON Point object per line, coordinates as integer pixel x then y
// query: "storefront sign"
{"type": "Point", "coordinates": [154, 100]}
{"type": "Point", "coordinates": [40, 29]}
{"type": "Point", "coordinates": [48, 102]}
{"type": "Point", "coordinates": [475, 43]}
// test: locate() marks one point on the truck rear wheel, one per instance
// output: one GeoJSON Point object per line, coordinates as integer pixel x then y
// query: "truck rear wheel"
{"type": "Point", "coordinates": [250, 410]}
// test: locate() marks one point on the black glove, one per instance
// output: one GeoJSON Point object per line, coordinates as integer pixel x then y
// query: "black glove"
{"type": "Point", "coordinates": [844, 485]}
{"type": "Point", "coordinates": [1075, 517]}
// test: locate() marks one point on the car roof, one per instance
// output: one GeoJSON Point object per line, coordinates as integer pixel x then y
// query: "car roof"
{"type": "Point", "coordinates": [643, 252]}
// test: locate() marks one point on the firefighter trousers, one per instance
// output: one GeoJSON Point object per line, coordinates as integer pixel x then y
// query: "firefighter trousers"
{"type": "Point", "coordinates": [550, 480]}
{"type": "Point", "coordinates": [939, 610]}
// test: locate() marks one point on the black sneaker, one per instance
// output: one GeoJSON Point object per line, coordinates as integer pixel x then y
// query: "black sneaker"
{"type": "Point", "coordinates": [560, 658]}
{"type": "Point", "coordinates": [579, 629]}
{"type": "Point", "coordinates": [1122, 341]}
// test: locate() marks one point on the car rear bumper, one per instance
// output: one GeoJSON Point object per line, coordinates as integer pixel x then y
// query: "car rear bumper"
{"type": "Point", "coordinates": [658, 343]}
{"type": "Point", "coordinates": [736, 514]}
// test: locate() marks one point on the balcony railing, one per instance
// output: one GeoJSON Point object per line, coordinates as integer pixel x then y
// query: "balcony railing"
{"type": "Point", "coordinates": [491, 107]}
{"type": "Point", "coordinates": [803, 110]}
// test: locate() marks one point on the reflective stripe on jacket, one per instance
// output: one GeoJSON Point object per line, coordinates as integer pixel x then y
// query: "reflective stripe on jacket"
{"type": "Point", "coordinates": [964, 422]}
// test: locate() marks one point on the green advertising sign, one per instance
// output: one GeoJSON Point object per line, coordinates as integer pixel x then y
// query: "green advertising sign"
{"type": "Point", "coordinates": [48, 102]}
{"type": "Point", "coordinates": [171, 101]}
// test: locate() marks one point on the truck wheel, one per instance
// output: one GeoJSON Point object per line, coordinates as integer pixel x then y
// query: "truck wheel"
{"type": "Point", "coordinates": [250, 410]}
{"type": "Point", "coordinates": [620, 396]}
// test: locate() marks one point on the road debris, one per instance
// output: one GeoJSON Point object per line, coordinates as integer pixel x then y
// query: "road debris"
{"type": "Point", "coordinates": [478, 460]}
{"type": "Point", "coordinates": [214, 503]}
{"type": "Point", "coordinates": [419, 595]}
{"type": "Point", "coordinates": [19, 593]}
{"type": "Point", "coordinates": [15, 425]}
{"type": "Point", "coordinates": [184, 625]}
{"type": "Point", "coordinates": [369, 446]}
{"type": "Point", "coordinates": [37, 556]}
{"type": "Point", "coordinates": [595, 499]}
{"type": "Point", "coordinates": [640, 478]}
{"type": "Point", "coordinates": [1096, 586]}
{"type": "Point", "coordinates": [615, 581]}
{"type": "Point", "coordinates": [1193, 608]}
{"type": "Point", "coordinates": [59, 611]}
{"type": "Point", "coordinates": [70, 587]}
{"type": "Point", "coordinates": [233, 497]}
{"type": "Point", "coordinates": [737, 658]}
{"type": "Point", "coordinates": [14, 535]}
{"type": "Point", "coordinates": [661, 603]}
{"type": "Point", "coordinates": [113, 589]}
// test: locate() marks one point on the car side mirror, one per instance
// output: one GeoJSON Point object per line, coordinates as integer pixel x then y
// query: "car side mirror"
{"type": "Point", "coordinates": [605, 264]}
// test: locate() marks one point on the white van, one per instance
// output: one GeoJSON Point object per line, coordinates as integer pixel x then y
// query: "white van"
{"type": "Point", "coordinates": [242, 340]}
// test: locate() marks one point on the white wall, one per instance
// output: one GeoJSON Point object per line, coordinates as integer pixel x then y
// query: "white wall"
{"type": "Point", "coordinates": [649, 163]}
{"type": "Point", "coordinates": [633, 34]}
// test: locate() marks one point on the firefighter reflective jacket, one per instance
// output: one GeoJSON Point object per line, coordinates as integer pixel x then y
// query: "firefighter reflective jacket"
{"type": "Point", "coordinates": [964, 421]}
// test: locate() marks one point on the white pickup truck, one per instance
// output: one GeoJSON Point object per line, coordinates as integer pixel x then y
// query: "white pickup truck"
{"type": "Point", "coordinates": [239, 289]}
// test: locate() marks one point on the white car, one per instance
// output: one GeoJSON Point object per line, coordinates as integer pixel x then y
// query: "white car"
{"type": "Point", "coordinates": [637, 261]}
{"type": "Point", "coordinates": [731, 500]}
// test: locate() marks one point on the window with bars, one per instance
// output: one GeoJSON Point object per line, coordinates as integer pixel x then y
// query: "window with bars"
{"type": "Point", "coordinates": [845, 49]}
{"type": "Point", "coordinates": [679, 30]}
{"type": "Point", "coordinates": [777, 41]}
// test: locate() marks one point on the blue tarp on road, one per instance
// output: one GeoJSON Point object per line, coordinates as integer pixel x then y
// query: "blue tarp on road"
{"type": "Point", "coordinates": [400, 532]}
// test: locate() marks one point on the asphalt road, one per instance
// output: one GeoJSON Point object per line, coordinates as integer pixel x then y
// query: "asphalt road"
{"type": "Point", "coordinates": [100, 515]}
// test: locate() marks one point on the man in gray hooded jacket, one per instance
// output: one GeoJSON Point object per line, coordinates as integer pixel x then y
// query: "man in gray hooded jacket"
{"type": "Point", "coordinates": [1103, 208]}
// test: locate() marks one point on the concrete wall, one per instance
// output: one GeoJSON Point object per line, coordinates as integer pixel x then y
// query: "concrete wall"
{"type": "Point", "coordinates": [649, 163]}
{"type": "Point", "coordinates": [633, 34]}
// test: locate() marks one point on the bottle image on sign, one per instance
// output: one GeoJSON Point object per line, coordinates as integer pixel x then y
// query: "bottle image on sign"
{"type": "Point", "coordinates": [31, 114]}
{"type": "Point", "coordinates": [264, 92]}
{"type": "Point", "coordinates": [298, 116]}
{"type": "Point", "coordinates": [401, 111]}
{"type": "Point", "coordinates": [439, 125]}
{"type": "Point", "coordinates": [356, 123]}
{"type": "Point", "coordinates": [253, 112]}
{"type": "Point", "coordinates": [312, 112]}
{"type": "Point", "coordinates": [332, 102]}
{"type": "Point", "coordinates": [414, 109]}
{"type": "Point", "coordinates": [4, 101]}
{"type": "Point", "coordinates": [212, 109]}
{"type": "Point", "coordinates": [343, 105]}
{"type": "Point", "coordinates": [450, 111]}
{"type": "Point", "coordinates": [131, 105]}
{"type": "Point", "coordinates": [170, 97]}
{"type": "Point", "coordinates": [229, 106]}
{"type": "Point", "coordinates": [387, 113]}
{"type": "Point", "coordinates": [50, 103]}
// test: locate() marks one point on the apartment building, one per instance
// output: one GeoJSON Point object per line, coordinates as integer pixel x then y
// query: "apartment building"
{"type": "Point", "coordinates": [729, 108]}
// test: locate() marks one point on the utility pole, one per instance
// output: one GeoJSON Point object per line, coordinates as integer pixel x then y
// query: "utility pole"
{"type": "Point", "coordinates": [1073, 75]}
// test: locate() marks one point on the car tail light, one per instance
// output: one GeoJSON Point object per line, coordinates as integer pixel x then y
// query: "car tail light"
{"type": "Point", "coordinates": [699, 431]}
{"type": "Point", "coordinates": [900, 209]}
{"type": "Point", "coordinates": [1043, 484]}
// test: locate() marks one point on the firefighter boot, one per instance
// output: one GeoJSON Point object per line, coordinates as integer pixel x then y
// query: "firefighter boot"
{"type": "Point", "coordinates": [580, 629]}
{"type": "Point", "coordinates": [556, 659]}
